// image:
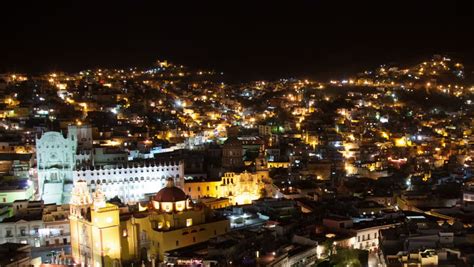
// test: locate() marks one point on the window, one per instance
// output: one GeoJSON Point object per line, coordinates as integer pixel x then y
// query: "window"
{"type": "Point", "coordinates": [177, 242]}
{"type": "Point", "coordinates": [199, 188]}
{"type": "Point", "coordinates": [9, 233]}
{"type": "Point", "coordinates": [194, 239]}
{"type": "Point", "coordinates": [207, 188]}
{"type": "Point", "coordinates": [189, 222]}
{"type": "Point", "coordinates": [189, 189]}
{"type": "Point", "coordinates": [144, 236]}
{"type": "Point", "coordinates": [23, 232]}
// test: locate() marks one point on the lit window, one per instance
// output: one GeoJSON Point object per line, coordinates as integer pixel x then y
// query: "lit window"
{"type": "Point", "coordinates": [189, 222]}
{"type": "Point", "coordinates": [180, 206]}
{"type": "Point", "coordinates": [167, 207]}
{"type": "Point", "coordinates": [156, 205]}
{"type": "Point", "coordinates": [124, 233]}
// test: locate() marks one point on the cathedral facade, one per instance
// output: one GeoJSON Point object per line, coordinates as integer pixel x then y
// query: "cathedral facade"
{"type": "Point", "coordinates": [58, 166]}
{"type": "Point", "coordinates": [102, 234]}
{"type": "Point", "coordinates": [55, 161]}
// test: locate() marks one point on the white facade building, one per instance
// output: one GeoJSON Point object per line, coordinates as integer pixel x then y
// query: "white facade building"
{"type": "Point", "coordinates": [60, 164]}
{"type": "Point", "coordinates": [130, 183]}
{"type": "Point", "coordinates": [55, 161]}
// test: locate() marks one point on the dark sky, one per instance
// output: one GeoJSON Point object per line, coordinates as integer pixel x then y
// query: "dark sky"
{"type": "Point", "coordinates": [251, 39]}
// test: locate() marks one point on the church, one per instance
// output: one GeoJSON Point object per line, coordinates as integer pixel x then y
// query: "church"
{"type": "Point", "coordinates": [104, 234]}
{"type": "Point", "coordinates": [63, 160]}
{"type": "Point", "coordinates": [55, 161]}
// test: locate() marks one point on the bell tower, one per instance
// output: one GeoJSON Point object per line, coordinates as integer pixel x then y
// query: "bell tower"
{"type": "Point", "coordinates": [80, 199]}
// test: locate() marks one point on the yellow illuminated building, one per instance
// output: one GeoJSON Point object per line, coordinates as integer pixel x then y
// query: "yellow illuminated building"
{"type": "Point", "coordinates": [202, 189]}
{"type": "Point", "coordinates": [238, 188]}
{"type": "Point", "coordinates": [278, 164]}
{"type": "Point", "coordinates": [243, 188]}
{"type": "Point", "coordinates": [402, 142]}
{"type": "Point", "coordinates": [95, 228]}
{"type": "Point", "coordinates": [104, 235]}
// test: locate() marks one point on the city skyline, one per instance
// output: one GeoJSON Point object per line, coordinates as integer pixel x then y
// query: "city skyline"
{"type": "Point", "coordinates": [316, 40]}
{"type": "Point", "coordinates": [208, 134]}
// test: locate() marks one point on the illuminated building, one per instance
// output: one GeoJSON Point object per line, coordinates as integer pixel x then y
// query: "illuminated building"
{"type": "Point", "coordinates": [237, 188]}
{"type": "Point", "coordinates": [95, 228]}
{"type": "Point", "coordinates": [104, 235]}
{"type": "Point", "coordinates": [201, 189]}
{"type": "Point", "coordinates": [9, 195]}
{"type": "Point", "coordinates": [59, 165]}
{"type": "Point", "coordinates": [36, 224]}
{"type": "Point", "coordinates": [242, 188]}
{"type": "Point", "coordinates": [132, 182]}
{"type": "Point", "coordinates": [56, 159]}
{"type": "Point", "coordinates": [278, 164]}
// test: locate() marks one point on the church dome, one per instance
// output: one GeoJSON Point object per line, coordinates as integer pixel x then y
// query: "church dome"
{"type": "Point", "coordinates": [170, 193]}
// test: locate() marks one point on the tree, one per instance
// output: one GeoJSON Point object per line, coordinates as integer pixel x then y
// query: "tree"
{"type": "Point", "coordinates": [347, 257]}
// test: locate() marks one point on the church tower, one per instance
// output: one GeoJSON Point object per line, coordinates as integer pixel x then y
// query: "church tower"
{"type": "Point", "coordinates": [95, 228]}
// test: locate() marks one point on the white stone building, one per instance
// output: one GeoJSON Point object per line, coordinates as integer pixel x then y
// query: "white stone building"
{"type": "Point", "coordinates": [55, 161]}
{"type": "Point", "coordinates": [131, 182]}
{"type": "Point", "coordinates": [59, 164]}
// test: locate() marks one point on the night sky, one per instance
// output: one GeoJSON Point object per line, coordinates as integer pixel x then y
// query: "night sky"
{"type": "Point", "coordinates": [241, 38]}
